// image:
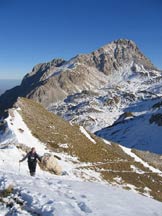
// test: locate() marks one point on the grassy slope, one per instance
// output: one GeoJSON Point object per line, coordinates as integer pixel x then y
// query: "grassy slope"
{"type": "Point", "coordinates": [53, 131]}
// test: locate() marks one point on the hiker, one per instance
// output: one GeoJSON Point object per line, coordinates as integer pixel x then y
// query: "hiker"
{"type": "Point", "coordinates": [32, 157]}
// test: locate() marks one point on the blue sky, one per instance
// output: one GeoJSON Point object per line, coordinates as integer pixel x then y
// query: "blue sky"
{"type": "Point", "coordinates": [34, 31]}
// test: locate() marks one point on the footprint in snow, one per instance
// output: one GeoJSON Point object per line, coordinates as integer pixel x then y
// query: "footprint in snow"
{"type": "Point", "coordinates": [50, 183]}
{"type": "Point", "coordinates": [83, 207]}
{"type": "Point", "coordinates": [70, 196]}
{"type": "Point", "coordinates": [50, 202]}
{"type": "Point", "coordinates": [83, 196]}
{"type": "Point", "coordinates": [41, 195]}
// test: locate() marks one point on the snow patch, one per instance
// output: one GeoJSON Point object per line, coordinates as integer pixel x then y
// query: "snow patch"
{"type": "Point", "coordinates": [106, 141]}
{"type": "Point", "coordinates": [118, 179]}
{"type": "Point", "coordinates": [137, 170]}
{"type": "Point", "coordinates": [63, 145]}
{"type": "Point", "coordinates": [147, 192]}
{"type": "Point", "coordinates": [87, 134]}
{"type": "Point", "coordinates": [137, 159]}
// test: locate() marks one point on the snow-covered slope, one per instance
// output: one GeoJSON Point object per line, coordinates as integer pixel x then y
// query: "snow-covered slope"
{"type": "Point", "coordinates": [129, 98]}
{"type": "Point", "coordinates": [68, 195]}
{"type": "Point", "coordinates": [140, 130]}
{"type": "Point", "coordinates": [47, 195]}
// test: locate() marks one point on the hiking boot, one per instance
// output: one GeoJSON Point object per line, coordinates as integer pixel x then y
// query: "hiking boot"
{"type": "Point", "coordinates": [32, 173]}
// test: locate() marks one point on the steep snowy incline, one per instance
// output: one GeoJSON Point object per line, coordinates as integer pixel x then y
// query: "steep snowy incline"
{"type": "Point", "coordinates": [139, 127]}
{"type": "Point", "coordinates": [47, 195]}
{"type": "Point", "coordinates": [18, 137]}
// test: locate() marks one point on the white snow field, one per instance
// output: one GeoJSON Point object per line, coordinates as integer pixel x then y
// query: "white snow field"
{"type": "Point", "coordinates": [67, 195]}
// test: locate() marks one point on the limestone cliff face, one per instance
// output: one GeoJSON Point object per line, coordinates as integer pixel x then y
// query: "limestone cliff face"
{"type": "Point", "coordinates": [115, 55]}
{"type": "Point", "coordinates": [53, 81]}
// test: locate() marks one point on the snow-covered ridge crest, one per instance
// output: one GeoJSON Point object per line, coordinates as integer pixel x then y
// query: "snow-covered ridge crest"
{"type": "Point", "coordinates": [22, 132]}
{"type": "Point", "coordinates": [20, 136]}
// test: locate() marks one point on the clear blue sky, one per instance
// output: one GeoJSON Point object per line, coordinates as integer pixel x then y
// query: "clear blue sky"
{"type": "Point", "coordinates": [34, 31]}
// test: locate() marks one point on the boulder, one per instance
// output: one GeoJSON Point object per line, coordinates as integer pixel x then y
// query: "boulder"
{"type": "Point", "coordinates": [50, 163]}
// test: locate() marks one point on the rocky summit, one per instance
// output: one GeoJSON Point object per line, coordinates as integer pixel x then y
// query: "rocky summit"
{"type": "Point", "coordinates": [54, 81]}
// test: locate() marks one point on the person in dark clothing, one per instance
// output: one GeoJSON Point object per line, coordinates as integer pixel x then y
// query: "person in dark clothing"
{"type": "Point", "coordinates": [32, 157]}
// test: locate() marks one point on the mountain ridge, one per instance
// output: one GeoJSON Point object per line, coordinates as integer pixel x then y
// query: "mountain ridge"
{"type": "Point", "coordinates": [98, 89]}
{"type": "Point", "coordinates": [54, 81]}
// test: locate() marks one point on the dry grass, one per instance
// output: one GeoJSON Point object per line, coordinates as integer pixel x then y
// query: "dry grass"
{"type": "Point", "coordinates": [6, 192]}
{"type": "Point", "coordinates": [53, 130]}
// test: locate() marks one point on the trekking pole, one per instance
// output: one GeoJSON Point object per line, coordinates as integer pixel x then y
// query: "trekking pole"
{"type": "Point", "coordinates": [4, 183]}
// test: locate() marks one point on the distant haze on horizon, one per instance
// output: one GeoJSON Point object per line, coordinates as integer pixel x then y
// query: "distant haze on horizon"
{"type": "Point", "coordinates": [41, 30]}
{"type": "Point", "coordinates": [6, 84]}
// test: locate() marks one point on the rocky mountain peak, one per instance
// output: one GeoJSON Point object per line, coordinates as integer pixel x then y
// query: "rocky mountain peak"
{"type": "Point", "coordinates": [57, 62]}
{"type": "Point", "coordinates": [114, 56]}
{"type": "Point", "coordinates": [118, 53]}
{"type": "Point", "coordinates": [55, 80]}
{"type": "Point", "coordinates": [120, 42]}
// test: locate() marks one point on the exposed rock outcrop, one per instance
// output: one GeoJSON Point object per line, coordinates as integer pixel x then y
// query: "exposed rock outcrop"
{"type": "Point", "coordinates": [113, 56]}
{"type": "Point", "coordinates": [157, 119]}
